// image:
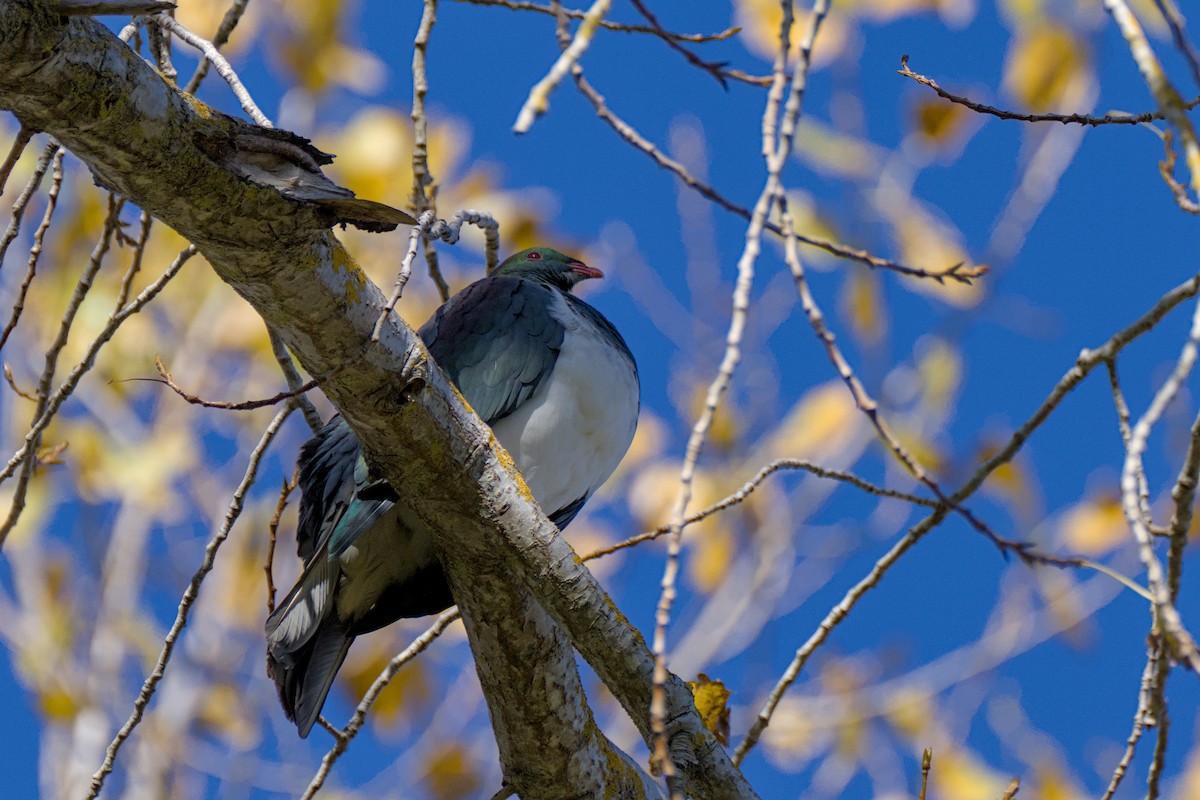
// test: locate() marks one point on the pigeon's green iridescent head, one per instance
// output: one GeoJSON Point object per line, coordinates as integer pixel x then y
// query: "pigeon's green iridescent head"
{"type": "Point", "coordinates": [548, 266]}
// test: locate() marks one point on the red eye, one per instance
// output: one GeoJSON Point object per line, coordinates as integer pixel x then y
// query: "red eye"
{"type": "Point", "coordinates": [534, 256]}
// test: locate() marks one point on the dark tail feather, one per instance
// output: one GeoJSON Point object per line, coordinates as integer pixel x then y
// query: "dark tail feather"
{"type": "Point", "coordinates": [304, 678]}
{"type": "Point", "coordinates": [306, 643]}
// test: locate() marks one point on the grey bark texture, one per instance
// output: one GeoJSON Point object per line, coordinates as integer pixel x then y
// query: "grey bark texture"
{"type": "Point", "coordinates": [524, 595]}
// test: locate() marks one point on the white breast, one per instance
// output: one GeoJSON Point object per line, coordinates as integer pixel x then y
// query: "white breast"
{"type": "Point", "coordinates": [571, 434]}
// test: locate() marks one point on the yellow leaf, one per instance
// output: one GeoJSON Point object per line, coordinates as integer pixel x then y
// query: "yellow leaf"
{"type": "Point", "coordinates": [713, 553]}
{"type": "Point", "coordinates": [910, 712]}
{"type": "Point", "coordinates": [204, 16]}
{"type": "Point", "coordinates": [940, 366]}
{"type": "Point", "coordinates": [836, 153]}
{"type": "Point", "coordinates": [939, 122]}
{"type": "Point", "coordinates": [1046, 67]}
{"type": "Point", "coordinates": [962, 776]}
{"type": "Point", "coordinates": [760, 21]}
{"type": "Point", "coordinates": [452, 774]}
{"type": "Point", "coordinates": [863, 307]}
{"type": "Point", "coordinates": [930, 242]}
{"type": "Point", "coordinates": [223, 712]}
{"type": "Point", "coordinates": [712, 698]}
{"type": "Point", "coordinates": [822, 423]}
{"type": "Point", "coordinates": [58, 703]}
{"type": "Point", "coordinates": [1095, 525]}
{"type": "Point", "coordinates": [408, 687]}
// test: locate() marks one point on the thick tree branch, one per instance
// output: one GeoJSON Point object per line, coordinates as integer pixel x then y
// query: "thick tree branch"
{"type": "Point", "coordinates": [186, 164]}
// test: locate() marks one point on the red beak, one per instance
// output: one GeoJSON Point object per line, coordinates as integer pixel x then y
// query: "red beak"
{"type": "Point", "coordinates": [580, 268]}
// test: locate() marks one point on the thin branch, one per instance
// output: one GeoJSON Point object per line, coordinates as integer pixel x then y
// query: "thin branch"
{"type": "Point", "coordinates": [926, 762]}
{"type": "Point", "coordinates": [776, 148]}
{"type": "Point", "coordinates": [212, 54]}
{"type": "Point", "coordinates": [350, 730]}
{"type": "Point", "coordinates": [716, 70]}
{"type": "Point", "coordinates": [1168, 99]}
{"type": "Point", "coordinates": [1084, 364]}
{"type": "Point", "coordinates": [835, 616]}
{"type": "Point", "coordinates": [424, 194]}
{"type": "Point", "coordinates": [573, 13]}
{"type": "Point", "coordinates": [1066, 119]}
{"type": "Point", "coordinates": [1141, 717]}
{"type": "Point", "coordinates": [430, 228]}
{"type": "Point", "coordinates": [35, 249]}
{"type": "Point", "coordinates": [297, 388]}
{"type": "Point", "coordinates": [1166, 614]}
{"type": "Point", "coordinates": [20, 142]}
{"type": "Point", "coordinates": [186, 602]}
{"type": "Point", "coordinates": [232, 17]}
{"type": "Point", "coordinates": [65, 389]}
{"type": "Point", "coordinates": [289, 486]}
{"type": "Point", "coordinates": [751, 485]}
{"type": "Point", "coordinates": [538, 101]}
{"type": "Point", "coordinates": [22, 202]}
{"type": "Point", "coordinates": [164, 377]}
{"type": "Point", "coordinates": [82, 287]}
{"type": "Point", "coordinates": [960, 273]}
{"type": "Point", "coordinates": [1175, 22]}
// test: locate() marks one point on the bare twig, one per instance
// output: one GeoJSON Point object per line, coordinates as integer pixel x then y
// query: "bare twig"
{"type": "Point", "coordinates": [960, 273]}
{"type": "Point", "coordinates": [20, 142]}
{"type": "Point", "coordinates": [164, 377]}
{"type": "Point", "coordinates": [1141, 717]}
{"type": "Point", "coordinates": [782, 464]}
{"type": "Point", "coordinates": [424, 192]}
{"type": "Point", "coordinates": [185, 603]}
{"type": "Point", "coordinates": [574, 13]}
{"type": "Point", "coordinates": [82, 287]}
{"type": "Point", "coordinates": [65, 389]}
{"type": "Point", "coordinates": [212, 54]}
{"type": "Point", "coordinates": [717, 71]}
{"type": "Point", "coordinates": [297, 388]}
{"type": "Point", "coordinates": [1084, 364]}
{"type": "Point", "coordinates": [289, 486]}
{"type": "Point", "coordinates": [1168, 99]}
{"type": "Point", "coordinates": [35, 249]}
{"type": "Point", "coordinates": [926, 762]}
{"type": "Point", "coordinates": [1065, 119]}
{"type": "Point", "coordinates": [22, 202]}
{"type": "Point", "coordinates": [539, 96]}
{"type": "Point", "coordinates": [1175, 22]}
{"type": "Point", "coordinates": [777, 140]}
{"type": "Point", "coordinates": [1166, 614]}
{"type": "Point", "coordinates": [1011, 790]}
{"type": "Point", "coordinates": [232, 17]}
{"type": "Point", "coordinates": [347, 733]}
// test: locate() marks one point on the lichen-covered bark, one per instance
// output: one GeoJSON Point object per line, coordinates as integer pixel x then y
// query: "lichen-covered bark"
{"type": "Point", "coordinates": [505, 560]}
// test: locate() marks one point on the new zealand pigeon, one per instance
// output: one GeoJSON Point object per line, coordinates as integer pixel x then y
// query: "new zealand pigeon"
{"type": "Point", "coordinates": [560, 389]}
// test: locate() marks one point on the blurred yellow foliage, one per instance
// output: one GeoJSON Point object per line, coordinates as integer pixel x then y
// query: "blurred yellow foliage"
{"type": "Point", "coordinates": [760, 21]}
{"type": "Point", "coordinates": [452, 773]}
{"type": "Point", "coordinates": [1095, 525]}
{"type": "Point", "coordinates": [1045, 68]}
{"type": "Point", "coordinates": [224, 713]}
{"type": "Point", "coordinates": [862, 305]}
{"type": "Point", "coordinates": [311, 46]}
{"type": "Point", "coordinates": [409, 687]}
{"type": "Point", "coordinates": [961, 775]}
{"type": "Point", "coordinates": [821, 424]}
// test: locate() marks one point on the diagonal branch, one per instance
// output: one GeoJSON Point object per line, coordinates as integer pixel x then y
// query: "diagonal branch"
{"type": "Point", "coordinates": [505, 561]}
